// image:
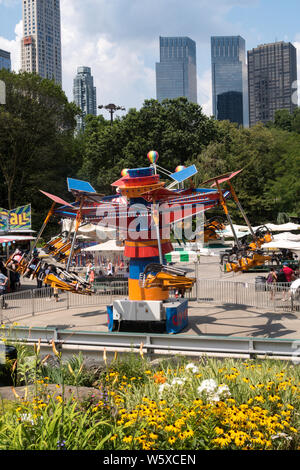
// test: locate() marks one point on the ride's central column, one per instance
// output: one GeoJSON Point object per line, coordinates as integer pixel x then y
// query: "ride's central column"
{"type": "Point", "coordinates": [142, 245]}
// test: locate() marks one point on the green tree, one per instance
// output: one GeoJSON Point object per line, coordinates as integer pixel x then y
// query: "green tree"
{"type": "Point", "coordinates": [176, 129]}
{"type": "Point", "coordinates": [37, 145]}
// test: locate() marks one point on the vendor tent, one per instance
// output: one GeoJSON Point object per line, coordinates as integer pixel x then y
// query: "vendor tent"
{"type": "Point", "coordinates": [242, 230]}
{"type": "Point", "coordinates": [90, 232]}
{"type": "Point", "coordinates": [283, 244]}
{"type": "Point", "coordinates": [109, 246]}
{"type": "Point", "coordinates": [182, 257]}
{"type": "Point", "coordinates": [287, 236]}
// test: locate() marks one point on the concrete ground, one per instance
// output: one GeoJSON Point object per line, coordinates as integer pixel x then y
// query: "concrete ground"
{"type": "Point", "coordinates": [205, 318]}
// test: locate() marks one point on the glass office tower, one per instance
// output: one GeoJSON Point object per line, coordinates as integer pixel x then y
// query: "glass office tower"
{"type": "Point", "coordinates": [229, 79]}
{"type": "Point", "coordinates": [84, 94]}
{"type": "Point", "coordinates": [176, 73]}
{"type": "Point", "coordinates": [272, 73]}
{"type": "Point", "coordinates": [5, 62]}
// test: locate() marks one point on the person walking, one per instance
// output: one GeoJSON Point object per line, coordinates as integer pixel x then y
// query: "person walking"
{"type": "Point", "coordinates": [271, 282]}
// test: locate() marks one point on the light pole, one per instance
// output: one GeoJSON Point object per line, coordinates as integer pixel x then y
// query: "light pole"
{"type": "Point", "coordinates": [112, 108]}
{"type": "Point", "coordinates": [2, 92]}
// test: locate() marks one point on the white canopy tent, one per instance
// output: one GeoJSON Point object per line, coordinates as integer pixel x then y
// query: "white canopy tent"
{"type": "Point", "coordinates": [90, 232]}
{"type": "Point", "coordinates": [286, 244]}
{"type": "Point", "coordinates": [109, 246]}
{"type": "Point", "coordinates": [242, 230]}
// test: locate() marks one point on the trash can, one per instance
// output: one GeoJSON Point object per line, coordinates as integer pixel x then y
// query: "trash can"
{"type": "Point", "coordinates": [8, 355]}
{"type": "Point", "coordinates": [260, 284]}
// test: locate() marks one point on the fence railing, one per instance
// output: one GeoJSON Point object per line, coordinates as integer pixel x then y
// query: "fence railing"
{"type": "Point", "coordinates": [32, 302]}
{"type": "Point", "coordinates": [261, 296]}
{"type": "Point", "coordinates": [277, 298]}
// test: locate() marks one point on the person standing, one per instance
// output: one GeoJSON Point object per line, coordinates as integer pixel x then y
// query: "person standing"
{"type": "Point", "coordinates": [289, 276]}
{"type": "Point", "coordinates": [110, 269]}
{"type": "Point", "coordinates": [92, 275]}
{"type": "Point", "coordinates": [3, 287]}
{"type": "Point", "coordinates": [271, 282]}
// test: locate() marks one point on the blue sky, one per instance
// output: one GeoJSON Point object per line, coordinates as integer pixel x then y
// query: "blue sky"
{"type": "Point", "coordinates": [118, 39]}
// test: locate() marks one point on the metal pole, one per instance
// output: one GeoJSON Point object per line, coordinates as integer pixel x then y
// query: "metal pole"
{"type": "Point", "coordinates": [156, 221]}
{"type": "Point", "coordinates": [78, 220]}
{"type": "Point", "coordinates": [241, 209]}
{"type": "Point", "coordinates": [50, 213]}
{"type": "Point", "coordinates": [227, 214]}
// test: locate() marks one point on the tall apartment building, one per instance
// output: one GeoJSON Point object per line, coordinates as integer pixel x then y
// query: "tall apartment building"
{"type": "Point", "coordinates": [41, 43]}
{"type": "Point", "coordinates": [84, 93]}
{"type": "Point", "coordinates": [5, 62]}
{"type": "Point", "coordinates": [176, 73]}
{"type": "Point", "coordinates": [229, 79]}
{"type": "Point", "coordinates": [272, 75]}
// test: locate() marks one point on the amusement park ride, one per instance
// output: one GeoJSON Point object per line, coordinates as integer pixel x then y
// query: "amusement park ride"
{"type": "Point", "coordinates": [142, 210]}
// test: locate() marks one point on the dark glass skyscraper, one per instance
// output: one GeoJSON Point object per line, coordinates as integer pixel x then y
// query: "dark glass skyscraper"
{"type": "Point", "coordinates": [176, 73]}
{"type": "Point", "coordinates": [84, 94]}
{"type": "Point", "coordinates": [229, 79]}
{"type": "Point", "coordinates": [5, 62]}
{"type": "Point", "coordinates": [272, 74]}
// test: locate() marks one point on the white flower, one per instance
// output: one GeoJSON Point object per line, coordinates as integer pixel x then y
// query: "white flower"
{"type": "Point", "coordinates": [162, 387]}
{"type": "Point", "coordinates": [283, 435]}
{"type": "Point", "coordinates": [177, 381]}
{"type": "Point", "coordinates": [224, 391]}
{"type": "Point", "coordinates": [192, 367]}
{"type": "Point", "coordinates": [209, 386]}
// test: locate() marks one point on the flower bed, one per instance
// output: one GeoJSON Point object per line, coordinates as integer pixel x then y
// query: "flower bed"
{"type": "Point", "coordinates": [169, 404]}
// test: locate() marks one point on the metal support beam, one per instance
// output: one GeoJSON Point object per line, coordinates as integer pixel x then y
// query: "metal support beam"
{"type": "Point", "coordinates": [68, 341]}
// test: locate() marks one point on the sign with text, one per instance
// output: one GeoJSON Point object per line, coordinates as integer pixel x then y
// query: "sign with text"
{"type": "Point", "coordinates": [16, 220]}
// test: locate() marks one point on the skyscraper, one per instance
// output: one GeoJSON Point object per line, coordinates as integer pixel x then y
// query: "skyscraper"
{"type": "Point", "coordinates": [176, 73]}
{"type": "Point", "coordinates": [5, 60]}
{"type": "Point", "coordinates": [41, 44]}
{"type": "Point", "coordinates": [272, 75]}
{"type": "Point", "coordinates": [84, 94]}
{"type": "Point", "coordinates": [229, 79]}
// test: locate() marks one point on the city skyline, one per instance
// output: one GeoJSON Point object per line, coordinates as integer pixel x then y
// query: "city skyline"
{"type": "Point", "coordinates": [121, 46]}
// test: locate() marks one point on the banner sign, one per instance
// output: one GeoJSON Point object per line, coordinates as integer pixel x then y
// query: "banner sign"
{"type": "Point", "coordinates": [4, 220]}
{"type": "Point", "coordinates": [16, 220]}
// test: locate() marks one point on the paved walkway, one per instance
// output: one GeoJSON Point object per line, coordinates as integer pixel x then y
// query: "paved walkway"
{"type": "Point", "coordinates": [204, 318]}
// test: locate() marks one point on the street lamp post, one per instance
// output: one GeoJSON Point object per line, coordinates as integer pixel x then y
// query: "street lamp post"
{"type": "Point", "coordinates": [112, 108]}
{"type": "Point", "coordinates": [2, 92]}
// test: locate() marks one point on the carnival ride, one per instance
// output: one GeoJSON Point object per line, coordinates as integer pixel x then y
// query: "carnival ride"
{"type": "Point", "coordinates": [142, 212]}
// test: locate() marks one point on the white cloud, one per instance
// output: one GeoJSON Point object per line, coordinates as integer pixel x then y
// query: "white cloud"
{"type": "Point", "coordinates": [205, 92]}
{"type": "Point", "coordinates": [14, 46]}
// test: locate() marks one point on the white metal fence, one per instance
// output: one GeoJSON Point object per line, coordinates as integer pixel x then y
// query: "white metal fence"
{"type": "Point", "coordinates": [257, 295]}
{"type": "Point", "coordinates": [31, 302]}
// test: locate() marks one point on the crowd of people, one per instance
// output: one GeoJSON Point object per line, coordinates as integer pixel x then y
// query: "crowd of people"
{"type": "Point", "coordinates": [105, 270]}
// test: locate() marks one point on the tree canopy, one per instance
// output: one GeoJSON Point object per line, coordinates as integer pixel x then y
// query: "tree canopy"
{"type": "Point", "coordinates": [39, 149]}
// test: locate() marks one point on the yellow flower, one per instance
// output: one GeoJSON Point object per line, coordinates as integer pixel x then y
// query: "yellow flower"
{"type": "Point", "coordinates": [171, 440]}
{"type": "Point", "coordinates": [127, 439]}
{"type": "Point", "coordinates": [219, 430]}
{"type": "Point", "coordinates": [113, 437]}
